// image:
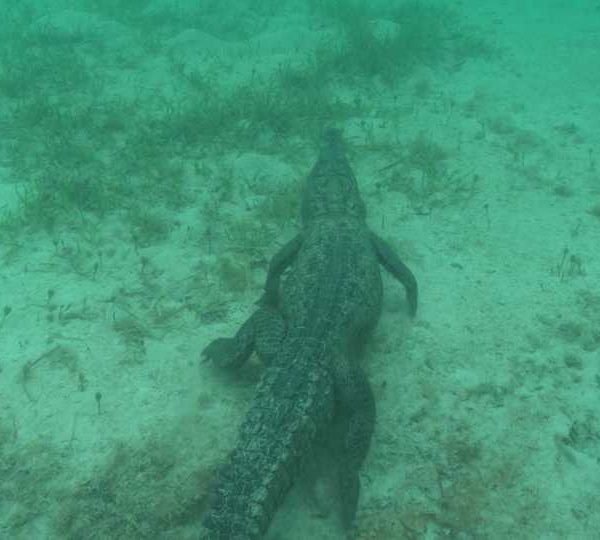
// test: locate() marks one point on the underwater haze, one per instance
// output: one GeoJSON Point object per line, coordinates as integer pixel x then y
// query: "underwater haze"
{"type": "Point", "coordinates": [152, 155]}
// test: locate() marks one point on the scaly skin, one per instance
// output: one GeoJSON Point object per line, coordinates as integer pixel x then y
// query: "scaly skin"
{"type": "Point", "coordinates": [309, 331]}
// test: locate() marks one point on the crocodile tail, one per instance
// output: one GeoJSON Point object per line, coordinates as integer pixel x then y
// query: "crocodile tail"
{"type": "Point", "coordinates": [293, 404]}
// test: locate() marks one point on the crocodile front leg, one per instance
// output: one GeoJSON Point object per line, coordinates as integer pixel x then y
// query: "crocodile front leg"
{"type": "Point", "coordinates": [392, 263]}
{"type": "Point", "coordinates": [279, 263]}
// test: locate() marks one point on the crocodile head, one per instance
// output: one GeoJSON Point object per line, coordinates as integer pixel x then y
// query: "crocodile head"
{"type": "Point", "coordinates": [331, 187]}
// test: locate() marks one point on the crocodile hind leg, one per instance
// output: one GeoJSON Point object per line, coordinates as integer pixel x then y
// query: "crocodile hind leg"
{"type": "Point", "coordinates": [355, 422]}
{"type": "Point", "coordinates": [265, 328]}
{"type": "Point", "coordinates": [262, 332]}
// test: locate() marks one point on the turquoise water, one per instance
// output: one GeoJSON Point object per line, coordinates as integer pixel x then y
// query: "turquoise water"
{"type": "Point", "coordinates": [151, 163]}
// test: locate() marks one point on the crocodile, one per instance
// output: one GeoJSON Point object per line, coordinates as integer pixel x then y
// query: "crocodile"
{"type": "Point", "coordinates": [309, 329]}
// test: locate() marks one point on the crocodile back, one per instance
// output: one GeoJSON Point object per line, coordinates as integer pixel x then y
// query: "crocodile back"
{"type": "Point", "coordinates": [333, 293]}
